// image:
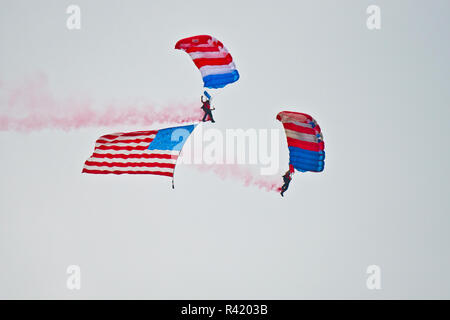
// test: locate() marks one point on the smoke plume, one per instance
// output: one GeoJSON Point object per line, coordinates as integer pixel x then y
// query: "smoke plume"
{"type": "Point", "coordinates": [32, 106]}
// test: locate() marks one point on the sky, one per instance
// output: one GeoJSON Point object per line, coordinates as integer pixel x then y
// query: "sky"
{"type": "Point", "coordinates": [381, 98]}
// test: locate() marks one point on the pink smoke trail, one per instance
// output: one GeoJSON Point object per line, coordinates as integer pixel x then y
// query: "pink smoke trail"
{"type": "Point", "coordinates": [244, 175]}
{"type": "Point", "coordinates": [32, 106]}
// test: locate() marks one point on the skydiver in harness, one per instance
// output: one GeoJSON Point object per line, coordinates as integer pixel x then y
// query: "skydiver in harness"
{"type": "Point", "coordinates": [206, 107]}
{"type": "Point", "coordinates": [287, 179]}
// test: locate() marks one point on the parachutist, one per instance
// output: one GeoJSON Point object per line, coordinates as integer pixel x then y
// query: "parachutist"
{"type": "Point", "coordinates": [305, 144]}
{"type": "Point", "coordinates": [287, 179]}
{"type": "Point", "coordinates": [206, 107]}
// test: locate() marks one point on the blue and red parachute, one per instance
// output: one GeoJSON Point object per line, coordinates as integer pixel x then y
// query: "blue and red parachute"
{"type": "Point", "coordinates": [212, 59]}
{"type": "Point", "coordinates": [305, 141]}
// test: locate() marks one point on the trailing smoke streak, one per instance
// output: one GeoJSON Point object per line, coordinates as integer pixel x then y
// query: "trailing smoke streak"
{"type": "Point", "coordinates": [87, 117]}
{"type": "Point", "coordinates": [32, 107]}
{"type": "Point", "coordinates": [243, 174]}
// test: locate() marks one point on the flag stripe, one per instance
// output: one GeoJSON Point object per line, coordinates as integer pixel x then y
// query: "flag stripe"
{"type": "Point", "coordinates": [135, 156]}
{"type": "Point", "coordinates": [128, 134]}
{"type": "Point", "coordinates": [146, 151]}
{"type": "Point", "coordinates": [95, 171]}
{"type": "Point", "coordinates": [132, 160]}
{"type": "Point", "coordinates": [129, 168]}
{"type": "Point", "coordinates": [116, 145]}
{"type": "Point", "coordinates": [129, 164]}
{"type": "Point", "coordinates": [129, 148]}
{"type": "Point", "coordinates": [126, 140]}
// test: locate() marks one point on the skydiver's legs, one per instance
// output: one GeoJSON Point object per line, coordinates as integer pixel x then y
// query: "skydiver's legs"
{"type": "Point", "coordinates": [210, 116]}
{"type": "Point", "coordinates": [284, 187]}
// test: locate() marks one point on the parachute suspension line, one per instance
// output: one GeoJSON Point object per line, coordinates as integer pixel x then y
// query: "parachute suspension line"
{"type": "Point", "coordinates": [291, 170]}
{"type": "Point", "coordinates": [173, 175]}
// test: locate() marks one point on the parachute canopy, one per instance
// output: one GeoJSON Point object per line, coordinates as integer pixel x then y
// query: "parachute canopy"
{"type": "Point", "coordinates": [212, 59]}
{"type": "Point", "coordinates": [305, 141]}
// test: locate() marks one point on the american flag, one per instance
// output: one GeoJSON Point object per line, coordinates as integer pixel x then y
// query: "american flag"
{"type": "Point", "coordinates": [140, 152]}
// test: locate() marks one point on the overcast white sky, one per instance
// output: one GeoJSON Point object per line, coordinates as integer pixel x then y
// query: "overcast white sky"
{"type": "Point", "coordinates": [381, 98]}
